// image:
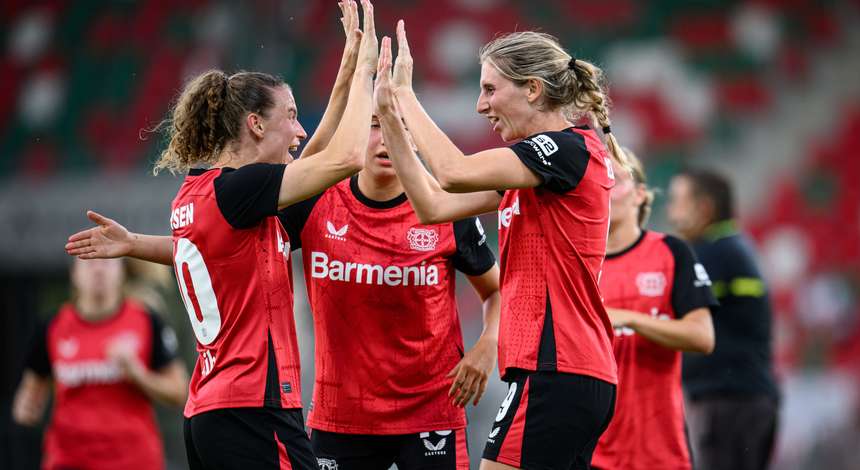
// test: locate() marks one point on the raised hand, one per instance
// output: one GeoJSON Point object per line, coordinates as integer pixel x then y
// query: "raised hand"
{"type": "Point", "coordinates": [368, 53]}
{"type": "Point", "coordinates": [402, 79]}
{"type": "Point", "coordinates": [349, 20]}
{"type": "Point", "coordinates": [108, 240]}
{"type": "Point", "coordinates": [383, 97]}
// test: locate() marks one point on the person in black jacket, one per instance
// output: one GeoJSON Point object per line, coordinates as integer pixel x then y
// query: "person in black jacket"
{"type": "Point", "coordinates": [732, 395]}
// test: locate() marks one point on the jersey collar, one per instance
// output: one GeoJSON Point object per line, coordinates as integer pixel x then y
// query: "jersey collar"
{"type": "Point", "coordinates": [372, 203]}
{"type": "Point", "coordinates": [623, 252]}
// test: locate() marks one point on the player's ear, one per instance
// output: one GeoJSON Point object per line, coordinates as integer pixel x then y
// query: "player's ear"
{"type": "Point", "coordinates": [254, 122]}
{"type": "Point", "coordinates": [533, 89]}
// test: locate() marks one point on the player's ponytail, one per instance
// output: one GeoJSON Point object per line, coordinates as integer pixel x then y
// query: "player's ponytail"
{"type": "Point", "coordinates": [590, 96]}
{"type": "Point", "coordinates": [208, 116]}
{"type": "Point", "coordinates": [568, 83]}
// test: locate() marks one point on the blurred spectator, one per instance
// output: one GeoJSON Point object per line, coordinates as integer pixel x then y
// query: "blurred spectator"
{"type": "Point", "coordinates": [732, 395]}
{"type": "Point", "coordinates": [107, 358]}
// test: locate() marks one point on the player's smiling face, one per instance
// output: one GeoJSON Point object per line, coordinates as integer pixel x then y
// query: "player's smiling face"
{"type": "Point", "coordinates": [282, 130]}
{"type": "Point", "coordinates": [504, 103]}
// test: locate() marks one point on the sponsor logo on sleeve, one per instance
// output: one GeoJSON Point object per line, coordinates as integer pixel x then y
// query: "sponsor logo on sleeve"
{"type": "Point", "coordinates": [702, 278]}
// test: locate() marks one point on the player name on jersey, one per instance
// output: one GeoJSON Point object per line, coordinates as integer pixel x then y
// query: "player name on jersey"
{"type": "Point", "coordinates": [182, 216]}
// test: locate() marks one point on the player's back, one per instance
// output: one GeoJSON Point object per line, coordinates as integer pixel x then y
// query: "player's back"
{"type": "Point", "coordinates": [236, 285]}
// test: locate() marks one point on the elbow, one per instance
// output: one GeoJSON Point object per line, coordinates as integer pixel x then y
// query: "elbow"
{"type": "Point", "coordinates": [354, 161]}
{"type": "Point", "coordinates": [706, 342]}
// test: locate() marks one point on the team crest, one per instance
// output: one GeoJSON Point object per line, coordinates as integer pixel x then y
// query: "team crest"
{"type": "Point", "coordinates": [422, 239]}
{"type": "Point", "coordinates": [327, 464]}
{"type": "Point", "coordinates": [651, 284]}
{"type": "Point", "coordinates": [68, 348]}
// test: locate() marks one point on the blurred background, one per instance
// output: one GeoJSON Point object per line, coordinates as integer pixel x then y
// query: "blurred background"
{"type": "Point", "coordinates": [766, 91]}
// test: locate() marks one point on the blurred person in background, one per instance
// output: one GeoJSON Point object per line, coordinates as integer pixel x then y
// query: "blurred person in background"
{"type": "Point", "coordinates": [233, 136]}
{"type": "Point", "coordinates": [732, 395]}
{"type": "Point", "coordinates": [107, 358]}
{"type": "Point", "coordinates": [658, 298]}
{"type": "Point", "coordinates": [551, 188]}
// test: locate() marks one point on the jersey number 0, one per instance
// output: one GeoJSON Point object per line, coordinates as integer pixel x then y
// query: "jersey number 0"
{"type": "Point", "coordinates": [195, 285]}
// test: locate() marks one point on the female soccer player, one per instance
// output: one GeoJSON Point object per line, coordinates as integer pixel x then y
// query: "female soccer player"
{"type": "Point", "coordinates": [388, 340]}
{"type": "Point", "coordinates": [231, 253]}
{"type": "Point", "coordinates": [658, 298]}
{"type": "Point", "coordinates": [107, 358]}
{"type": "Point", "coordinates": [555, 337]}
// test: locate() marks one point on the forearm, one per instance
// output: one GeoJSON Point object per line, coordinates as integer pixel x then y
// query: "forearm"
{"type": "Point", "coordinates": [353, 131]}
{"type": "Point", "coordinates": [425, 194]}
{"type": "Point", "coordinates": [336, 105]}
{"type": "Point", "coordinates": [442, 156]}
{"type": "Point", "coordinates": [673, 334]}
{"type": "Point", "coordinates": [492, 313]}
{"type": "Point", "coordinates": [169, 386]}
{"type": "Point", "coordinates": [153, 248]}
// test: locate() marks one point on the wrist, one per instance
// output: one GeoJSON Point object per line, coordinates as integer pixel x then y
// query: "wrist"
{"type": "Point", "coordinates": [365, 70]}
{"type": "Point", "coordinates": [403, 91]}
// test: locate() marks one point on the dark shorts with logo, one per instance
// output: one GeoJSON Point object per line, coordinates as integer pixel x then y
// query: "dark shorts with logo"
{"type": "Point", "coordinates": [248, 438]}
{"type": "Point", "coordinates": [550, 420]}
{"type": "Point", "coordinates": [444, 449]}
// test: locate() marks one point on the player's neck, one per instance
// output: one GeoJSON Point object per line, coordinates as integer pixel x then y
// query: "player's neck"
{"type": "Point", "coordinates": [95, 308]}
{"type": "Point", "coordinates": [379, 189]}
{"type": "Point", "coordinates": [546, 121]}
{"type": "Point", "coordinates": [622, 235]}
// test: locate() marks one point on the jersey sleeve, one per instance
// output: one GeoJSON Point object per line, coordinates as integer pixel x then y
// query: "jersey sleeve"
{"type": "Point", "coordinates": [473, 257]}
{"type": "Point", "coordinates": [249, 194]}
{"type": "Point", "coordinates": [164, 343]}
{"type": "Point", "coordinates": [558, 158]}
{"type": "Point", "coordinates": [37, 358]}
{"type": "Point", "coordinates": [692, 287]}
{"type": "Point", "coordinates": [294, 217]}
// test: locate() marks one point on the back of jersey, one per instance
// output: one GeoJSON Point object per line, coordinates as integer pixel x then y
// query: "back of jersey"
{"type": "Point", "coordinates": [236, 286]}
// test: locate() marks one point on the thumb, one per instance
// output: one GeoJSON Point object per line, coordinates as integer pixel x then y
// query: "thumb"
{"type": "Point", "coordinates": [98, 218]}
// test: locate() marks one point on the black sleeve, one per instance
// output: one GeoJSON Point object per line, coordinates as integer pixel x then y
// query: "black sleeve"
{"type": "Point", "coordinates": [249, 194]}
{"type": "Point", "coordinates": [692, 288]}
{"type": "Point", "coordinates": [294, 217]}
{"type": "Point", "coordinates": [558, 158]}
{"type": "Point", "coordinates": [473, 257]}
{"type": "Point", "coordinates": [37, 357]}
{"type": "Point", "coordinates": [164, 344]}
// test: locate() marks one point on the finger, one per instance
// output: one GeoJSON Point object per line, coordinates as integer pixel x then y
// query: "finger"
{"type": "Point", "coordinates": [383, 67]}
{"type": "Point", "coordinates": [353, 14]}
{"type": "Point", "coordinates": [467, 390]}
{"type": "Point", "coordinates": [83, 234]}
{"type": "Point", "coordinates": [98, 218]}
{"type": "Point", "coordinates": [78, 244]}
{"type": "Point", "coordinates": [402, 42]}
{"type": "Point", "coordinates": [80, 251]}
{"type": "Point", "coordinates": [458, 380]}
{"type": "Point", "coordinates": [369, 25]}
{"type": "Point", "coordinates": [481, 389]}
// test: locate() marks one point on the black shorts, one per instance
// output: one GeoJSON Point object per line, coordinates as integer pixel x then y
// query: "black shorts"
{"type": "Point", "coordinates": [427, 450]}
{"type": "Point", "coordinates": [550, 420]}
{"type": "Point", "coordinates": [248, 438]}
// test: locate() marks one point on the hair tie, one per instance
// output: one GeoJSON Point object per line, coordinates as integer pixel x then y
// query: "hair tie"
{"type": "Point", "coordinates": [607, 129]}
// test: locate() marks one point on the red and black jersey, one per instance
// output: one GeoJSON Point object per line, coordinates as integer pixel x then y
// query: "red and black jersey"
{"type": "Point", "coordinates": [552, 240]}
{"type": "Point", "coordinates": [658, 276]}
{"type": "Point", "coordinates": [381, 288]}
{"type": "Point", "coordinates": [231, 256]}
{"type": "Point", "coordinates": [97, 413]}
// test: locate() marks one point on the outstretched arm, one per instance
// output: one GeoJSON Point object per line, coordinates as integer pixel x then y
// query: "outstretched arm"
{"type": "Point", "coordinates": [431, 203]}
{"type": "Point", "coordinates": [494, 169]}
{"type": "Point", "coordinates": [109, 239]}
{"type": "Point", "coordinates": [344, 155]}
{"type": "Point", "coordinates": [694, 332]}
{"type": "Point", "coordinates": [340, 92]}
